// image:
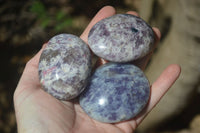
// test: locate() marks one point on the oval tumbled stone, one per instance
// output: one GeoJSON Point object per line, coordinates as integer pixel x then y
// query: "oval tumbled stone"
{"type": "Point", "coordinates": [116, 92]}
{"type": "Point", "coordinates": [121, 38]}
{"type": "Point", "coordinates": [65, 66]}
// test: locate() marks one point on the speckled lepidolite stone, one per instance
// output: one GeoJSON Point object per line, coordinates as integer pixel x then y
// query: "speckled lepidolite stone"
{"type": "Point", "coordinates": [65, 66]}
{"type": "Point", "coordinates": [121, 38]}
{"type": "Point", "coordinates": [116, 92]}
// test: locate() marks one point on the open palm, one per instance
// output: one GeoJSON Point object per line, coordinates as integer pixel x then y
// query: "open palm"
{"type": "Point", "coordinates": [37, 111]}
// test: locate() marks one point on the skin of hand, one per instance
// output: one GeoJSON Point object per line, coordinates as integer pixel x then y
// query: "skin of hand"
{"type": "Point", "coordinates": [37, 111]}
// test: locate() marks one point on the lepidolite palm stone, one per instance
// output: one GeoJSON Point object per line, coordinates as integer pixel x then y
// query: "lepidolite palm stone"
{"type": "Point", "coordinates": [121, 38]}
{"type": "Point", "coordinates": [116, 92]}
{"type": "Point", "coordinates": [65, 66]}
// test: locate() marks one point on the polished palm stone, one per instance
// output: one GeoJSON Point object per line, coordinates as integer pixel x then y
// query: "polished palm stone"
{"type": "Point", "coordinates": [121, 38]}
{"type": "Point", "coordinates": [116, 92]}
{"type": "Point", "coordinates": [65, 66]}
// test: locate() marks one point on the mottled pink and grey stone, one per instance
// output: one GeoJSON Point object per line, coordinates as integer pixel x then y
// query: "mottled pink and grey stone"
{"type": "Point", "coordinates": [121, 38]}
{"type": "Point", "coordinates": [65, 66]}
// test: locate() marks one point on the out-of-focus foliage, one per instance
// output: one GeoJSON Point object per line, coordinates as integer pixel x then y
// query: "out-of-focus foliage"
{"type": "Point", "coordinates": [59, 19]}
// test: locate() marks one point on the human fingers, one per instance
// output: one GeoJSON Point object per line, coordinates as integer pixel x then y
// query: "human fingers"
{"type": "Point", "coordinates": [132, 13]}
{"type": "Point", "coordinates": [30, 73]}
{"type": "Point", "coordinates": [105, 12]}
{"type": "Point", "coordinates": [142, 62]}
{"type": "Point", "coordinates": [156, 30]}
{"type": "Point", "coordinates": [35, 60]}
{"type": "Point", "coordinates": [160, 87]}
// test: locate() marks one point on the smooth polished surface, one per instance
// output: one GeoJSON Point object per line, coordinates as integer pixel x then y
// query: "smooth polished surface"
{"type": "Point", "coordinates": [116, 92]}
{"type": "Point", "coordinates": [121, 38]}
{"type": "Point", "coordinates": [65, 66]}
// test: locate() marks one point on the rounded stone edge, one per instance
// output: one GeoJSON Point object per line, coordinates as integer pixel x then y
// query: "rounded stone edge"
{"type": "Point", "coordinates": [51, 93]}
{"type": "Point", "coordinates": [126, 61]}
{"type": "Point", "coordinates": [141, 109]}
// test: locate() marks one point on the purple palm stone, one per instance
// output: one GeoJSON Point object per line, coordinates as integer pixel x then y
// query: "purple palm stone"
{"type": "Point", "coordinates": [121, 38]}
{"type": "Point", "coordinates": [116, 92]}
{"type": "Point", "coordinates": [65, 66]}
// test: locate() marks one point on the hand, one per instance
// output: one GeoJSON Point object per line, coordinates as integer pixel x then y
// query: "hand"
{"type": "Point", "coordinates": [37, 111]}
